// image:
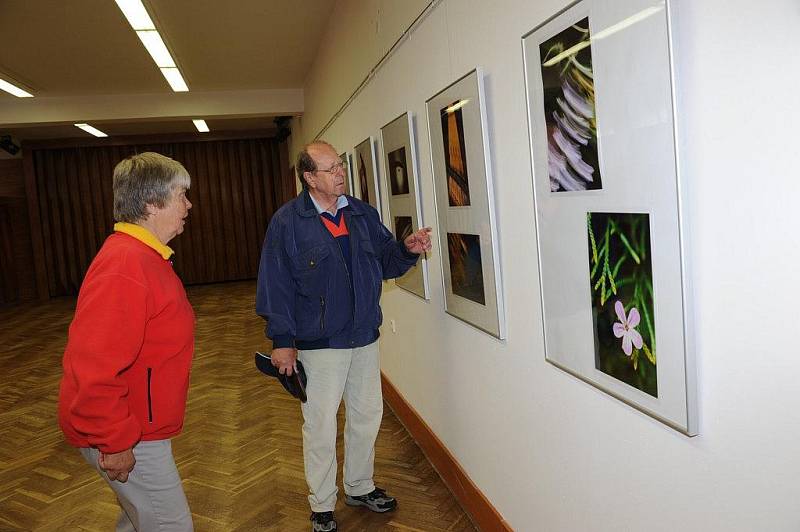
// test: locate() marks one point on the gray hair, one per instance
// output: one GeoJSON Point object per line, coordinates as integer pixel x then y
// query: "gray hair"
{"type": "Point", "coordinates": [143, 179]}
{"type": "Point", "coordinates": [305, 163]}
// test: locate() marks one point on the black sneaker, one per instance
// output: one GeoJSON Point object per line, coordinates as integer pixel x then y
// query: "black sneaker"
{"type": "Point", "coordinates": [377, 501]}
{"type": "Point", "coordinates": [323, 522]}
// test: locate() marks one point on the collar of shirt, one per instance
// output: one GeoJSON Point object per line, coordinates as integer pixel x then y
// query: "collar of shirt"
{"type": "Point", "coordinates": [341, 202]}
{"type": "Point", "coordinates": [146, 237]}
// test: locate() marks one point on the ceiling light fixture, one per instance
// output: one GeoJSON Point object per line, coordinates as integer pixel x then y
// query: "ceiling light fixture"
{"type": "Point", "coordinates": [156, 47]}
{"type": "Point", "coordinates": [13, 89]}
{"type": "Point", "coordinates": [175, 79]}
{"type": "Point", "coordinates": [141, 22]}
{"type": "Point", "coordinates": [93, 130]}
{"type": "Point", "coordinates": [201, 126]}
{"type": "Point", "coordinates": [136, 14]}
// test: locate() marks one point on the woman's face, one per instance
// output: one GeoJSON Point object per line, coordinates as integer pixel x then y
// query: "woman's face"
{"type": "Point", "coordinates": [171, 219]}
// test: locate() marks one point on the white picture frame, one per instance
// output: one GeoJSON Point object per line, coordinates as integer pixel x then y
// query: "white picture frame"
{"type": "Point", "coordinates": [399, 157]}
{"type": "Point", "coordinates": [465, 209]}
{"type": "Point", "coordinates": [608, 203]}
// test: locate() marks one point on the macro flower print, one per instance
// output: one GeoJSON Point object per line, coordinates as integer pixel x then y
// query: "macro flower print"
{"type": "Point", "coordinates": [621, 280]}
{"type": "Point", "coordinates": [569, 109]}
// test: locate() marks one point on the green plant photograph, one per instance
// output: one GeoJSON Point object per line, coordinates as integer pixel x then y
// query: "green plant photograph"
{"type": "Point", "coordinates": [621, 279]}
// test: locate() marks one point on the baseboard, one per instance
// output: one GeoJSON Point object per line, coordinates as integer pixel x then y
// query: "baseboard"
{"type": "Point", "coordinates": [477, 506]}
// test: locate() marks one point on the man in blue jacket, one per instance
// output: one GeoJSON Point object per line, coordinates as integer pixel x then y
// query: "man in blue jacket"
{"type": "Point", "coordinates": [319, 287]}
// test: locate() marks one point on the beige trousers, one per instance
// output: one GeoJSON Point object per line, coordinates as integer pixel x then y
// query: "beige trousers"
{"type": "Point", "coordinates": [152, 499]}
{"type": "Point", "coordinates": [333, 374]}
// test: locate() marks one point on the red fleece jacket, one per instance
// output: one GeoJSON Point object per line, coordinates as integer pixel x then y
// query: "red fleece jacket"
{"type": "Point", "coordinates": [126, 366]}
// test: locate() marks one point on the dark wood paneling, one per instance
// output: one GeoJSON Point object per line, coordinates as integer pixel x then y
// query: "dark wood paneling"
{"type": "Point", "coordinates": [236, 185]}
{"type": "Point", "coordinates": [17, 277]}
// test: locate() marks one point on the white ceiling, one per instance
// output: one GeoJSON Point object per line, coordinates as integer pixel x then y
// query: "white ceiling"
{"type": "Point", "coordinates": [244, 61]}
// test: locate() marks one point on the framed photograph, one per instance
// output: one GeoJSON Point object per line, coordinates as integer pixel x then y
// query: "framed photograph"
{"type": "Point", "coordinates": [465, 204]}
{"type": "Point", "coordinates": [365, 175]}
{"type": "Point", "coordinates": [607, 194]}
{"type": "Point", "coordinates": [348, 180]}
{"type": "Point", "coordinates": [403, 198]}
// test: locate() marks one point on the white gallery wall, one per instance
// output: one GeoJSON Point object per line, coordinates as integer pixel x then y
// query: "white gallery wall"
{"type": "Point", "coordinates": [549, 451]}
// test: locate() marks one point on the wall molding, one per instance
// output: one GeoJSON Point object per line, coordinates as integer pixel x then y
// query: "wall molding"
{"type": "Point", "coordinates": [474, 502]}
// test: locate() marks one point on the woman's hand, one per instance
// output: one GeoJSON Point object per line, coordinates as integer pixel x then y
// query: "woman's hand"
{"type": "Point", "coordinates": [117, 465]}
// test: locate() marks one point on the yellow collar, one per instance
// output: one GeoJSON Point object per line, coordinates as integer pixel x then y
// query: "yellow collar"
{"type": "Point", "coordinates": [143, 235]}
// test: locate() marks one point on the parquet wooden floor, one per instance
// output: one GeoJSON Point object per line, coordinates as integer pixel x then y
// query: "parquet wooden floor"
{"type": "Point", "coordinates": [239, 455]}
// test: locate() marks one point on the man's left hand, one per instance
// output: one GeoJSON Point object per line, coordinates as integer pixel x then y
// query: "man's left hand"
{"type": "Point", "coordinates": [419, 242]}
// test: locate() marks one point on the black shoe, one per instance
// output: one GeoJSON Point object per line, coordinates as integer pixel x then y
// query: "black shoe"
{"type": "Point", "coordinates": [323, 522]}
{"type": "Point", "coordinates": [377, 501]}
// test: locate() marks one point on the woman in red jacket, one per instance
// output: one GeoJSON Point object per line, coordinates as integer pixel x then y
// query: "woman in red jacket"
{"type": "Point", "coordinates": [126, 366]}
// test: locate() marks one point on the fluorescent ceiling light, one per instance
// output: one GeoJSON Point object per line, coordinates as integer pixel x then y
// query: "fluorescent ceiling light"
{"type": "Point", "coordinates": [13, 89]}
{"type": "Point", "coordinates": [141, 22]}
{"type": "Point", "coordinates": [89, 129]}
{"type": "Point", "coordinates": [201, 126]}
{"type": "Point", "coordinates": [156, 47]}
{"type": "Point", "coordinates": [175, 79]}
{"type": "Point", "coordinates": [136, 14]}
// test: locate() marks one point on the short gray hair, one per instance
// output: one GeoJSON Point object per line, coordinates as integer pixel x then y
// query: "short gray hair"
{"type": "Point", "coordinates": [143, 179]}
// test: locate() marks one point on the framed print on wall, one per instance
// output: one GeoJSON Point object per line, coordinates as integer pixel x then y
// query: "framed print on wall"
{"type": "Point", "coordinates": [465, 204]}
{"type": "Point", "coordinates": [348, 180]}
{"type": "Point", "coordinates": [365, 176]}
{"type": "Point", "coordinates": [607, 194]}
{"type": "Point", "coordinates": [402, 193]}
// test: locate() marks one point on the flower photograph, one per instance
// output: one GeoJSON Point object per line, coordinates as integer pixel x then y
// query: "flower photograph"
{"type": "Point", "coordinates": [569, 97]}
{"type": "Point", "coordinates": [621, 280]}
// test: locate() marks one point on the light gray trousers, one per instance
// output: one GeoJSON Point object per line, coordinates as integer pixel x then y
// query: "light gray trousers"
{"type": "Point", "coordinates": [152, 499]}
{"type": "Point", "coordinates": [333, 374]}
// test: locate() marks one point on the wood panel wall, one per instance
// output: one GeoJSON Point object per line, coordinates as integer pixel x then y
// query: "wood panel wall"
{"type": "Point", "coordinates": [17, 281]}
{"type": "Point", "coordinates": [237, 184]}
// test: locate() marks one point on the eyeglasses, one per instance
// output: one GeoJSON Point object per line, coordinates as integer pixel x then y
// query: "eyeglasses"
{"type": "Point", "coordinates": [341, 165]}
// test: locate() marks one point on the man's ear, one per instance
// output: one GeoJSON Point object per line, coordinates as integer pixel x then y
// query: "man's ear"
{"type": "Point", "coordinates": [309, 177]}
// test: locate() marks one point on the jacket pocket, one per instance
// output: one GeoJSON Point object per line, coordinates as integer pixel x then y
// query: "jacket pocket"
{"type": "Point", "coordinates": [149, 395]}
{"type": "Point", "coordinates": [311, 270]}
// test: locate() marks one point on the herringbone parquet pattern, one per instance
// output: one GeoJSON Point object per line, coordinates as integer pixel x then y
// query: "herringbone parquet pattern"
{"type": "Point", "coordinates": [239, 455]}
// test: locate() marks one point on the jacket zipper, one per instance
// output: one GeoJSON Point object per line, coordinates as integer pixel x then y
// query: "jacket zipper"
{"type": "Point", "coordinates": [322, 315]}
{"type": "Point", "coordinates": [149, 397]}
{"type": "Point", "coordinates": [341, 256]}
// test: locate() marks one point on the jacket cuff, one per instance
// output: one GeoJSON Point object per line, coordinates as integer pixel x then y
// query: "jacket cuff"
{"type": "Point", "coordinates": [282, 340]}
{"type": "Point", "coordinates": [407, 254]}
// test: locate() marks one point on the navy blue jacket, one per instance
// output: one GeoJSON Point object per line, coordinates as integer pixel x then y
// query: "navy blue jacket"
{"type": "Point", "coordinates": [305, 291]}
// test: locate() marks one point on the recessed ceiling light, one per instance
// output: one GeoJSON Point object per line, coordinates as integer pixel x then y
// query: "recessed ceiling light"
{"type": "Point", "coordinates": [136, 14]}
{"type": "Point", "coordinates": [13, 89]}
{"type": "Point", "coordinates": [201, 126]}
{"type": "Point", "coordinates": [175, 79]}
{"type": "Point", "coordinates": [93, 130]}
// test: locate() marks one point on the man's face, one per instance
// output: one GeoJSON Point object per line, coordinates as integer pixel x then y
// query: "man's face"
{"type": "Point", "coordinates": [326, 181]}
